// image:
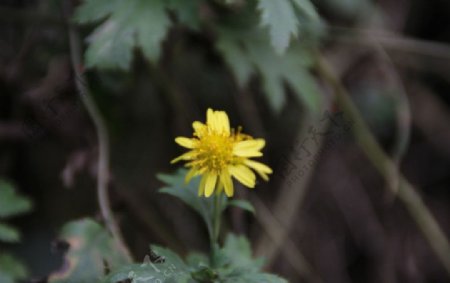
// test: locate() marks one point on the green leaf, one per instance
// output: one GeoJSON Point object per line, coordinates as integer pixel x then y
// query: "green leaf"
{"type": "Point", "coordinates": [307, 7]}
{"type": "Point", "coordinates": [248, 52]}
{"type": "Point", "coordinates": [204, 274]}
{"type": "Point", "coordinates": [137, 23]}
{"type": "Point", "coordinates": [280, 18]}
{"type": "Point", "coordinates": [188, 193]}
{"type": "Point", "coordinates": [196, 259]}
{"type": "Point", "coordinates": [239, 250]}
{"type": "Point", "coordinates": [111, 46]}
{"type": "Point", "coordinates": [11, 269]}
{"type": "Point", "coordinates": [254, 277]}
{"type": "Point", "coordinates": [11, 203]}
{"type": "Point", "coordinates": [241, 267]}
{"type": "Point", "coordinates": [91, 250]}
{"type": "Point", "coordinates": [188, 11]}
{"type": "Point", "coordinates": [9, 234]}
{"type": "Point", "coordinates": [165, 267]}
{"type": "Point", "coordinates": [306, 89]}
{"type": "Point", "coordinates": [243, 204]}
{"type": "Point", "coordinates": [170, 258]}
{"type": "Point", "coordinates": [236, 57]}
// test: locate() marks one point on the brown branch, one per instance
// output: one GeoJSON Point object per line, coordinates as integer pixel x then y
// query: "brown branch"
{"type": "Point", "coordinates": [392, 41]}
{"type": "Point", "coordinates": [103, 139]}
{"type": "Point", "coordinates": [406, 192]}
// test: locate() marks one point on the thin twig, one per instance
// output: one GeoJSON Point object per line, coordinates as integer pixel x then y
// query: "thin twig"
{"type": "Point", "coordinates": [103, 140]}
{"type": "Point", "coordinates": [406, 193]}
{"type": "Point", "coordinates": [393, 41]}
{"type": "Point", "coordinates": [403, 113]}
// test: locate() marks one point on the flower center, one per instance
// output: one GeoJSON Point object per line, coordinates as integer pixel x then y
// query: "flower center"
{"type": "Point", "coordinates": [215, 151]}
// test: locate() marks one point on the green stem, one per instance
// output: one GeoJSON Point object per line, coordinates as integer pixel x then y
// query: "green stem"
{"type": "Point", "coordinates": [216, 222]}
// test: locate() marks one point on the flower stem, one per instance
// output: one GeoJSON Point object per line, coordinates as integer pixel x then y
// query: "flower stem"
{"type": "Point", "coordinates": [216, 222]}
{"type": "Point", "coordinates": [217, 217]}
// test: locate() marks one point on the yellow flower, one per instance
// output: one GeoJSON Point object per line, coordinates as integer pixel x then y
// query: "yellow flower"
{"type": "Point", "coordinates": [218, 153]}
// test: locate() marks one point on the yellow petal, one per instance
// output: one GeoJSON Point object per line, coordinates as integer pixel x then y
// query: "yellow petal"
{"type": "Point", "coordinates": [190, 174]}
{"type": "Point", "coordinates": [249, 148]}
{"type": "Point", "coordinates": [210, 184]}
{"type": "Point", "coordinates": [263, 175]}
{"type": "Point", "coordinates": [201, 187]}
{"type": "Point", "coordinates": [186, 156]}
{"type": "Point", "coordinates": [225, 179]}
{"type": "Point", "coordinates": [219, 188]}
{"type": "Point", "coordinates": [211, 119]}
{"type": "Point", "coordinates": [243, 175]}
{"type": "Point", "coordinates": [258, 166]}
{"type": "Point", "coordinates": [224, 122]}
{"type": "Point", "coordinates": [186, 142]}
{"type": "Point", "coordinates": [199, 128]}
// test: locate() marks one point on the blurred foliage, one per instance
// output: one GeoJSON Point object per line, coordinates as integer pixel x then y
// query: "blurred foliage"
{"type": "Point", "coordinates": [11, 269]}
{"type": "Point", "coordinates": [247, 46]}
{"type": "Point", "coordinates": [235, 265]}
{"type": "Point", "coordinates": [91, 252]}
{"type": "Point", "coordinates": [281, 19]}
{"type": "Point", "coordinates": [191, 49]}
{"type": "Point", "coordinates": [188, 193]}
{"type": "Point", "coordinates": [162, 266]}
{"type": "Point", "coordinates": [129, 24]}
{"type": "Point", "coordinates": [233, 262]}
{"type": "Point", "coordinates": [11, 204]}
{"type": "Point", "coordinates": [93, 257]}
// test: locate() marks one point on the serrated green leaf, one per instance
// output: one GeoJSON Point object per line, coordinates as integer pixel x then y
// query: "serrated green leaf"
{"type": "Point", "coordinates": [238, 248]}
{"type": "Point", "coordinates": [196, 259]}
{"type": "Point", "coordinates": [11, 203]}
{"type": "Point", "coordinates": [254, 277]}
{"type": "Point", "coordinates": [204, 274]}
{"type": "Point", "coordinates": [166, 267]}
{"type": "Point", "coordinates": [150, 34]}
{"type": "Point", "coordinates": [306, 89]}
{"type": "Point", "coordinates": [274, 91]}
{"type": "Point", "coordinates": [307, 7]}
{"type": "Point", "coordinates": [241, 267]}
{"type": "Point", "coordinates": [236, 57]}
{"type": "Point", "coordinates": [170, 258]}
{"type": "Point", "coordinates": [280, 18]}
{"type": "Point", "coordinates": [9, 234]}
{"type": "Point", "coordinates": [249, 53]}
{"type": "Point", "coordinates": [111, 46]}
{"type": "Point", "coordinates": [243, 204]}
{"type": "Point", "coordinates": [188, 193]}
{"type": "Point", "coordinates": [129, 24]}
{"type": "Point", "coordinates": [235, 257]}
{"type": "Point", "coordinates": [91, 249]}
{"type": "Point", "coordinates": [188, 12]}
{"type": "Point", "coordinates": [11, 269]}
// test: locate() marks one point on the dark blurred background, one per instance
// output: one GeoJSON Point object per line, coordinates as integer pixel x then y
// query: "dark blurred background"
{"type": "Point", "coordinates": [335, 206]}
